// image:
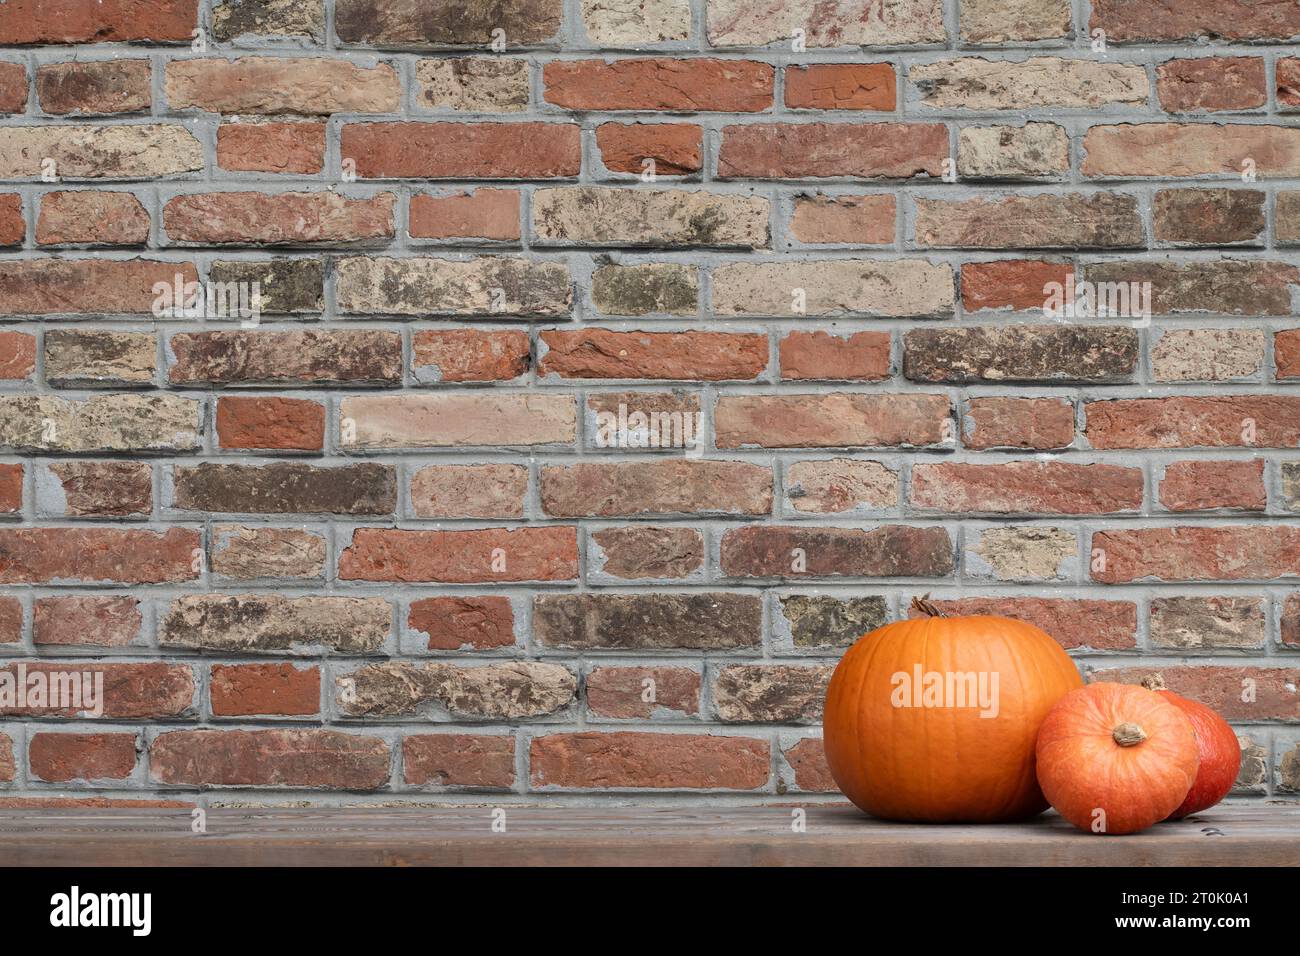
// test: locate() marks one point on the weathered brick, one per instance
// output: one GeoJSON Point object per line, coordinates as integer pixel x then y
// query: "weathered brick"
{"type": "Point", "coordinates": [861, 220]}
{"type": "Point", "coordinates": [17, 355]}
{"type": "Point", "coordinates": [232, 19]}
{"type": "Point", "coordinates": [299, 357]}
{"type": "Point", "coordinates": [1201, 217]}
{"type": "Point", "coordinates": [1094, 624]}
{"type": "Point", "coordinates": [1130, 21]}
{"type": "Point", "coordinates": [1275, 691]}
{"type": "Point", "coordinates": [11, 620]}
{"type": "Point", "coordinates": [246, 553]}
{"type": "Point", "coordinates": [606, 353]}
{"type": "Point", "coordinates": [1021, 553]}
{"type": "Point", "coordinates": [1286, 353]}
{"type": "Point", "coordinates": [974, 83]}
{"type": "Point", "coordinates": [1290, 621]}
{"type": "Point", "coordinates": [252, 218]}
{"type": "Point", "coordinates": [996, 421]}
{"type": "Point", "coordinates": [840, 86]}
{"type": "Point", "coordinates": [81, 358]}
{"type": "Point", "coordinates": [27, 22]}
{"type": "Point", "coordinates": [1015, 284]}
{"type": "Point", "coordinates": [644, 288]}
{"type": "Point", "coordinates": [1201, 623]}
{"type": "Point", "coordinates": [1286, 225]}
{"type": "Point", "coordinates": [1009, 21]}
{"type": "Point", "coordinates": [463, 623]}
{"type": "Point", "coordinates": [495, 285]}
{"type": "Point", "coordinates": [609, 216]}
{"type": "Point", "coordinates": [273, 623]}
{"type": "Point", "coordinates": [691, 620]}
{"type": "Point", "coordinates": [772, 551]}
{"type": "Point", "coordinates": [481, 761]}
{"type": "Point", "coordinates": [508, 690]}
{"type": "Point", "coordinates": [858, 356]}
{"type": "Point", "coordinates": [1202, 485]}
{"type": "Point", "coordinates": [118, 422]}
{"type": "Point", "coordinates": [807, 762]}
{"type": "Point", "coordinates": [469, 491]}
{"type": "Point", "coordinates": [833, 287]}
{"type": "Point", "coordinates": [630, 759]}
{"type": "Point", "coordinates": [398, 23]}
{"type": "Point", "coordinates": [1033, 487]}
{"type": "Point", "coordinates": [95, 489]}
{"type": "Point", "coordinates": [315, 759]}
{"type": "Point", "coordinates": [1194, 421]}
{"type": "Point", "coordinates": [447, 420]}
{"type": "Point", "coordinates": [461, 557]}
{"type": "Point", "coordinates": [1290, 486]}
{"type": "Point", "coordinates": [312, 86]}
{"type": "Point", "coordinates": [94, 86]}
{"type": "Point", "coordinates": [286, 487]}
{"type": "Point", "coordinates": [469, 355]}
{"type": "Point", "coordinates": [1073, 221]}
{"type": "Point", "coordinates": [92, 217]}
{"type": "Point", "coordinates": [837, 485]}
{"type": "Point", "coordinates": [677, 486]}
{"type": "Point", "coordinates": [643, 692]}
{"type": "Point", "coordinates": [823, 620]}
{"type": "Point", "coordinates": [634, 23]}
{"type": "Point", "coordinates": [473, 84]}
{"type": "Point", "coordinates": [834, 420]}
{"type": "Point", "coordinates": [284, 285]}
{"type": "Point", "coordinates": [11, 488]}
{"type": "Point", "coordinates": [660, 83]}
{"type": "Point", "coordinates": [481, 214]}
{"type": "Point", "coordinates": [1013, 152]}
{"type": "Point", "coordinates": [12, 225]}
{"type": "Point", "coordinates": [463, 150]}
{"type": "Point", "coordinates": [842, 23]}
{"type": "Point", "coordinates": [1202, 553]}
{"type": "Point", "coordinates": [770, 693]}
{"type": "Point", "coordinates": [78, 286]}
{"type": "Point", "coordinates": [61, 758]}
{"type": "Point", "coordinates": [855, 151]}
{"type": "Point", "coordinates": [13, 88]}
{"type": "Point", "coordinates": [270, 422]}
{"type": "Point", "coordinates": [1021, 353]}
{"type": "Point", "coordinates": [149, 151]}
{"type": "Point", "coordinates": [7, 766]}
{"type": "Point", "coordinates": [86, 620]}
{"type": "Point", "coordinates": [271, 147]}
{"type": "Point", "coordinates": [1170, 150]}
{"type": "Point", "coordinates": [666, 149]}
{"type": "Point", "coordinates": [1232, 286]}
{"type": "Point", "coordinates": [153, 690]}
{"type": "Point", "coordinates": [264, 690]}
{"type": "Point", "coordinates": [1207, 355]}
{"type": "Point", "coordinates": [637, 552]}
{"type": "Point", "coordinates": [1212, 83]}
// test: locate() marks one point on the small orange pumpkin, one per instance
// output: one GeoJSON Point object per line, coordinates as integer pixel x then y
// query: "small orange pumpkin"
{"type": "Point", "coordinates": [902, 746]}
{"type": "Point", "coordinates": [1217, 744]}
{"type": "Point", "coordinates": [1116, 758]}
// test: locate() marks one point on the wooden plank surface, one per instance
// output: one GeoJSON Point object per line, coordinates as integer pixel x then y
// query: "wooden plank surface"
{"type": "Point", "coordinates": [1251, 835]}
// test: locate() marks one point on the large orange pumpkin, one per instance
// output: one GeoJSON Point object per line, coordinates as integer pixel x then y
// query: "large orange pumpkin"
{"type": "Point", "coordinates": [1216, 743]}
{"type": "Point", "coordinates": [1116, 758]}
{"type": "Point", "coordinates": [934, 719]}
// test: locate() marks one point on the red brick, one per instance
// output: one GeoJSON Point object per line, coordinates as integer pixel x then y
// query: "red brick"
{"type": "Point", "coordinates": [102, 489]}
{"type": "Point", "coordinates": [1034, 487]}
{"type": "Point", "coordinates": [1234, 553]}
{"type": "Point", "coordinates": [470, 355]}
{"type": "Point", "coordinates": [771, 551]}
{"type": "Point", "coordinates": [480, 214]}
{"type": "Point", "coordinates": [834, 420]}
{"type": "Point", "coordinates": [997, 421]}
{"type": "Point", "coordinates": [860, 220]}
{"type": "Point", "coordinates": [495, 490]}
{"type": "Point", "coordinates": [621, 692]}
{"type": "Point", "coordinates": [94, 86]}
{"type": "Point", "coordinates": [87, 620]}
{"type": "Point", "coordinates": [807, 760]}
{"type": "Point", "coordinates": [840, 86]}
{"type": "Point", "coordinates": [281, 219]}
{"type": "Point", "coordinates": [1099, 625]}
{"type": "Point", "coordinates": [1198, 485]}
{"type": "Point", "coordinates": [90, 803]}
{"type": "Point", "coordinates": [59, 758]}
{"type": "Point", "coordinates": [639, 552]}
{"type": "Point", "coordinates": [17, 356]}
{"type": "Point", "coordinates": [131, 691]}
{"type": "Point", "coordinates": [271, 147]}
{"type": "Point", "coordinates": [664, 487]}
{"type": "Point", "coordinates": [270, 84]}
{"type": "Point", "coordinates": [794, 151]}
{"type": "Point", "coordinates": [463, 150]}
{"type": "Point", "coordinates": [1202, 217]}
{"type": "Point", "coordinates": [1275, 690]}
{"type": "Point", "coordinates": [262, 690]}
{"type": "Point", "coordinates": [12, 225]}
{"type": "Point", "coordinates": [1192, 421]}
{"type": "Point", "coordinates": [1288, 81]}
{"type": "Point", "coordinates": [7, 767]}
{"type": "Point", "coordinates": [660, 83]}
{"type": "Point", "coordinates": [674, 147]}
{"type": "Point", "coordinates": [484, 761]}
{"type": "Point", "coordinates": [13, 88]}
{"type": "Point", "coordinates": [606, 353]}
{"type": "Point", "coordinates": [270, 422]}
{"type": "Point", "coordinates": [1211, 83]}
{"type": "Point", "coordinates": [460, 623]}
{"type": "Point", "coordinates": [596, 761]}
{"type": "Point", "coordinates": [11, 489]}
{"type": "Point", "coordinates": [1291, 621]}
{"type": "Point", "coordinates": [1016, 284]}
{"type": "Point", "coordinates": [104, 21]}
{"type": "Point", "coordinates": [11, 620]}
{"type": "Point", "coordinates": [461, 557]}
{"type": "Point", "coordinates": [1170, 150]}
{"type": "Point", "coordinates": [1126, 21]}
{"type": "Point", "coordinates": [857, 357]}
{"type": "Point", "coordinates": [76, 286]}
{"type": "Point", "coordinates": [294, 357]}
{"type": "Point", "coordinates": [1286, 352]}
{"type": "Point", "coordinates": [86, 217]}
{"type": "Point", "coordinates": [48, 555]}
{"type": "Point", "coordinates": [324, 759]}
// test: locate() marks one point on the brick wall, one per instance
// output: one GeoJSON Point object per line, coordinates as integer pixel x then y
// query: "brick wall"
{"type": "Point", "coordinates": [391, 529]}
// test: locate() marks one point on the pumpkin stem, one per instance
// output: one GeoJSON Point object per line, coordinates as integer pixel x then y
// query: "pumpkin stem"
{"type": "Point", "coordinates": [1128, 735]}
{"type": "Point", "coordinates": [1154, 682]}
{"type": "Point", "coordinates": [923, 605]}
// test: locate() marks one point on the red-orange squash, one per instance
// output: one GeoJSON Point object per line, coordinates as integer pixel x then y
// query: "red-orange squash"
{"type": "Point", "coordinates": [1116, 758]}
{"type": "Point", "coordinates": [1216, 744]}
{"type": "Point", "coordinates": [934, 719]}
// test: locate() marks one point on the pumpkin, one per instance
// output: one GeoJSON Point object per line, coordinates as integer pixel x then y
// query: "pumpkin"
{"type": "Point", "coordinates": [1116, 758]}
{"type": "Point", "coordinates": [934, 719]}
{"type": "Point", "coordinates": [1216, 744]}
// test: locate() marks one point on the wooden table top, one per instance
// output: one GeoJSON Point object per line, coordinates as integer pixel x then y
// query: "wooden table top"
{"type": "Point", "coordinates": [1233, 835]}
